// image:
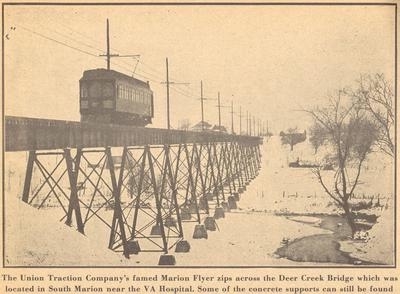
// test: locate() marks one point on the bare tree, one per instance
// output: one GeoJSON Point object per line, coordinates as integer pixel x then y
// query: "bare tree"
{"type": "Point", "coordinates": [317, 136]}
{"type": "Point", "coordinates": [292, 137]}
{"type": "Point", "coordinates": [184, 124]}
{"type": "Point", "coordinates": [346, 127]}
{"type": "Point", "coordinates": [375, 94]}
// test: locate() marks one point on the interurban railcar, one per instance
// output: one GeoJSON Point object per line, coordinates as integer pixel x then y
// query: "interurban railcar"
{"type": "Point", "coordinates": [108, 96]}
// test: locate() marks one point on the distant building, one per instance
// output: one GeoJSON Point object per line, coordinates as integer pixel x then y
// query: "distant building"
{"type": "Point", "coordinates": [219, 129]}
{"type": "Point", "coordinates": [202, 125]}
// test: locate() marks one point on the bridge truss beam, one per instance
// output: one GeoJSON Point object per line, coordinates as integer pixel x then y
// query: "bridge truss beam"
{"type": "Point", "coordinates": [142, 194]}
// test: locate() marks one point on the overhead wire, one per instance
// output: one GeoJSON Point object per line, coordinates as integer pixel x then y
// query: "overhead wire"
{"type": "Point", "coordinates": [56, 41]}
{"type": "Point", "coordinates": [82, 51]}
{"type": "Point", "coordinates": [123, 66]}
{"type": "Point", "coordinates": [73, 39]}
{"type": "Point", "coordinates": [183, 94]}
{"type": "Point", "coordinates": [117, 51]}
{"type": "Point", "coordinates": [158, 74]}
{"type": "Point", "coordinates": [87, 37]}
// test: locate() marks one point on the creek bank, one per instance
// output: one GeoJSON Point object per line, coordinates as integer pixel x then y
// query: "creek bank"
{"type": "Point", "coordinates": [320, 247]}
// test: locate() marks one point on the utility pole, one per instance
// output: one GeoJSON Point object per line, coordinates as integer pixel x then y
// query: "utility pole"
{"type": "Point", "coordinates": [108, 53]}
{"type": "Point", "coordinates": [240, 120]}
{"type": "Point", "coordinates": [202, 107]}
{"type": "Point", "coordinates": [262, 129]}
{"type": "Point", "coordinates": [254, 125]}
{"type": "Point", "coordinates": [258, 127]}
{"type": "Point", "coordinates": [108, 46]}
{"type": "Point", "coordinates": [247, 122]}
{"type": "Point", "coordinates": [219, 113]}
{"type": "Point", "coordinates": [168, 121]}
{"type": "Point", "coordinates": [250, 123]}
{"type": "Point", "coordinates": [219, 109]}
{"type": "Point", "coordinates": [202, 98]}
{"type": "Point", "coordinates": [232, 131]}
{"type": "Point", "coordinates": [168, 83]}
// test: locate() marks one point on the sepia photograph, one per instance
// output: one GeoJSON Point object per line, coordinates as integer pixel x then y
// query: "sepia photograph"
{"type": "Point", "coordinates": [228, 135]}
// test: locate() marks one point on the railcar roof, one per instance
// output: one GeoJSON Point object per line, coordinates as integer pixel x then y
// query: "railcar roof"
{"type": "Point", "coordinates": [102, 73]}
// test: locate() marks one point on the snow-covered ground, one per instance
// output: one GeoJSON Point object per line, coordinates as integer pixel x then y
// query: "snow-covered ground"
{"type": "Point", "coordinates": [247, 236]}
{"type": "Point", "coordinates": [379, 245]}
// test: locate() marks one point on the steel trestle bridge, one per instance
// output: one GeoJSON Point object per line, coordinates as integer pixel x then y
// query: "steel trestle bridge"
{"type": "Point", "coordinates": [143, 184]}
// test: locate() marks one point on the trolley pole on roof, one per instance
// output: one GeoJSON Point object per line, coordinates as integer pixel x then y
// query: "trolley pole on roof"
{"type": "Point", "coordinates": [168, 121]}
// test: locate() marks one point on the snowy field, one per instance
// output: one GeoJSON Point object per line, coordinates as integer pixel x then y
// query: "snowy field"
{"type": "Point", "coordinates": [247, 236]}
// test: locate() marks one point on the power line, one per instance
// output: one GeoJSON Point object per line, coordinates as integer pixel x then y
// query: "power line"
{"type": "Point", "coordinates": [182, 93]}
{"type": "Point", "coordinates": [73, 39]}
{"type": "Point", "coordinates": [150, 74]}
{"type": "Point", "coordinates": [157, 76]}
{"type": "Point", "coordinates": [94, 41]}
{"type": "Point", "coordinates": [118, 51]}
{"type": "Point", "coordinates": [124, 67]}
{"type": "Point", "coordinates": [87, 38]}
{"type": "Point", "coordinates": [81, 50]}
{"type": "Point", "coordinates": [56, 41]}
{"type": "Point", "coordinates": [158, 73]}
{"type": "Point", "coordinates": [134, 66]}
{"type": "Point", "coordinates": [185, 93]}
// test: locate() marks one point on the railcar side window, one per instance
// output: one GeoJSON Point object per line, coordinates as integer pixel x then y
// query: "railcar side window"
{"type": "Point", "coordinates": [84, 90]}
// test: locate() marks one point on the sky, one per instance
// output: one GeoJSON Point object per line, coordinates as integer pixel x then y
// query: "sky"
{"type": "Point", "coordinates": [271, 61]}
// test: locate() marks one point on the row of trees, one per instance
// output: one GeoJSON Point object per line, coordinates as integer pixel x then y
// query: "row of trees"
{"type": "Point", "coordinates": [353, 124]}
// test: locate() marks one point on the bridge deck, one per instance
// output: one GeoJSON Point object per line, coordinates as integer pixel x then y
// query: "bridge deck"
{"type": "Point", "coordinates": [22, 133]}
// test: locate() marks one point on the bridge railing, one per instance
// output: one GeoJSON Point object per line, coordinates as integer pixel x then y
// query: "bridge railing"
{"type": "Point", "coordinates": [23, 133]}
